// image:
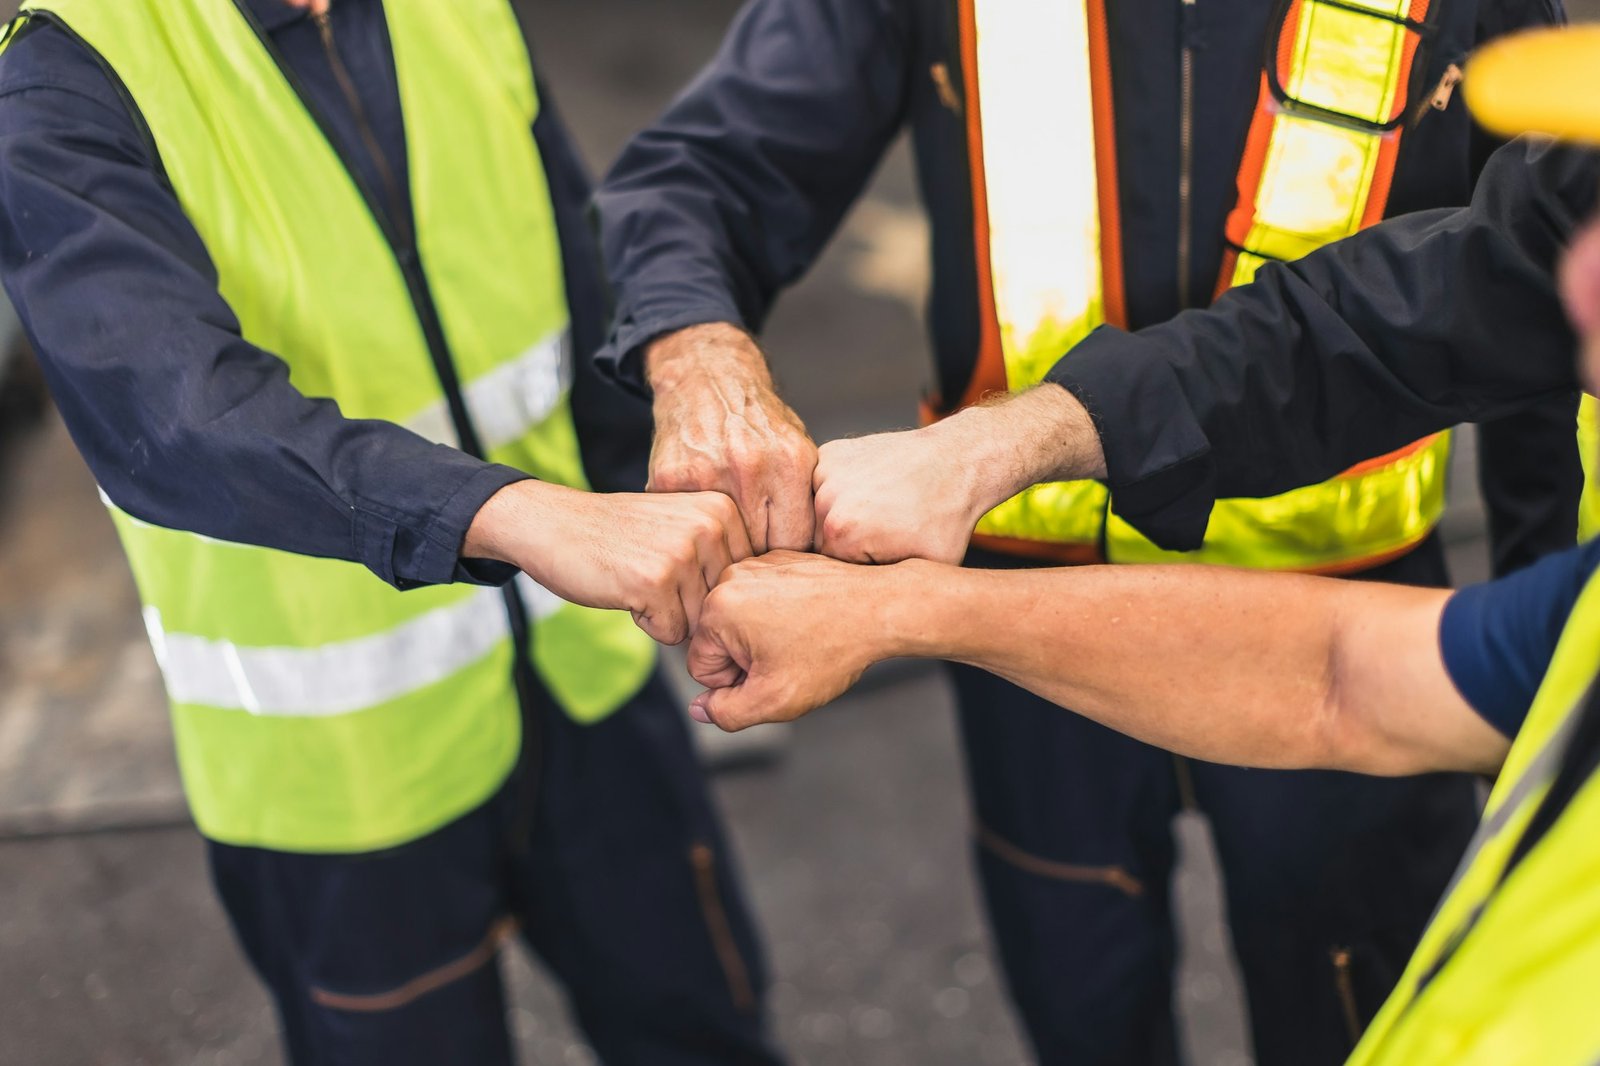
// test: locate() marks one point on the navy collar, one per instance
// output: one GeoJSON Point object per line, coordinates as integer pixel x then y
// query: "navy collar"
{"type": "Point", "coordinates": [274, 14]}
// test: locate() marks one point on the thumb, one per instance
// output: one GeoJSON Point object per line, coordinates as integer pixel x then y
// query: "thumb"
{"type": "Point", "coordinates": [731, 708]}
{"type": "Point", "coordinates": [711, 661]}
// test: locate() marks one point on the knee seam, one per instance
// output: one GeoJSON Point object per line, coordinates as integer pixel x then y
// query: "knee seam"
{"type": "Point", "coordinates": [1116, 877]}
{"type": "Point", "coordinates": [421, 985]}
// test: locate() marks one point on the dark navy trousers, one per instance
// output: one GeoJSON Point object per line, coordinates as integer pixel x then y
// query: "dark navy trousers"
{"type": "Point", "coordinates": [1330, 877]}
{"type": "Point", "coordinates": [603, 852]}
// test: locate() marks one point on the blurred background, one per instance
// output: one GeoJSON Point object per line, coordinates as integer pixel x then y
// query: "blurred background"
{"type": "Point", "coordinates": [851, 827]}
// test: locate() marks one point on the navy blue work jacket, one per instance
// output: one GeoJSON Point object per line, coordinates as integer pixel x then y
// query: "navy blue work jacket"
{"type": "Point", "coordinates": [732, 194]}
{"type": "Point", "coordinates": [183, 422]}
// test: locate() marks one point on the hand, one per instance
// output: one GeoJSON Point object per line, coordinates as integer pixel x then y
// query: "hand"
{"type": "Point", "coordinates": [316, 7]}
{"type": "Point", "coordinates": [917, 494]}
{"type": "Point", "coordinates": [654, 556]}
{"type": "Point", "coordinates": [721, 427]}
{"type": "Point", "coordinates": [894, 496]}
{"type": "Point", "coordinates": [785, 633]}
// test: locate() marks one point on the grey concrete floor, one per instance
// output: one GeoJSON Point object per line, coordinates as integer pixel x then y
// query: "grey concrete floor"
{"type": "Point", "coordinates": [111, 948]}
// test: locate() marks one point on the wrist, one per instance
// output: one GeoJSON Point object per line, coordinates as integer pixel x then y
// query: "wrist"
{"type": "Point", "coordinates": [713, 351]}
{"type": "Point", "coordinates": [992, 452]}
{"type": "Point", "coordinates": [912, 605]}
{"type": "Point", "coordinates": [505, 526]}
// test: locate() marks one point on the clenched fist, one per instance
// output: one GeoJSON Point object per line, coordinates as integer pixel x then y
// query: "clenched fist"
{"type": "Point", "coordinates": [655, 556]}
{"type": "Point", "coordinates": [894, 496]}
{"type": "Point", "coordinates": [917, 494]}
{"type": "Point", "coordinates": [721, 427]}
{"type": "Point", "coordinates": [786, 632]}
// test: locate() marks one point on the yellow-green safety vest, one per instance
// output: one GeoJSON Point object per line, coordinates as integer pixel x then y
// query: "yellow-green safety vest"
{"type": "Point", "coordinates": [315, 707]}
{"type": "Point", "coordinates": [1316, 168]}
{"type": "Point", "coordinates": [1508, 969]}
{"type": "Point", "coordinates": [1588, 450]}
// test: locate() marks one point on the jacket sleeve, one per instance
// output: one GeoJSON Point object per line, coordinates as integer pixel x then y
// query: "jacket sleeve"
{"type": "Point", "coordinates": [732, 193]}
{"type": "Point", "coordinates": [183, 422]}
{"type": "Point", "coordinates": [1404, 329]}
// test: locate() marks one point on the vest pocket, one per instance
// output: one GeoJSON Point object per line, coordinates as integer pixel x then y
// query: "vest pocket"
{"type": "Point", "coordinates": [703, 861]}
{"type": "Point", "coordinates": [1344, 986]}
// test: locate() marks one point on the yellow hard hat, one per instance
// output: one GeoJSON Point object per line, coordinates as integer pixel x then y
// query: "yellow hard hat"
{"type": "Point", "coordinates": [1542, 81]}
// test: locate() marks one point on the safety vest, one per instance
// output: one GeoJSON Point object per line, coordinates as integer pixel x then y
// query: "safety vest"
{"type": "Point", "coordinates": [1316, 168]}
{"type": "Point", "coordinates": [1508, 969]}
{"type": "Point", "coordinates": [315, 707]}
{"type": "Point", "coordinates": [1588, 449]}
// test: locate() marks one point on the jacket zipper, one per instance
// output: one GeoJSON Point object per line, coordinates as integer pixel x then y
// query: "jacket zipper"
{"type": "Point", "coordinates": [1344, 983]}
{"type": "Point", "coordinates": [1439, 99]}
{"type": "Point", "coordinates": [398, 215]}
{"type": "Point", "coordinates": [1186, 153]}
{"type": "Point", "coordinates": [704, 862]}
{"type": "Point", "coordinates": [400, 236]}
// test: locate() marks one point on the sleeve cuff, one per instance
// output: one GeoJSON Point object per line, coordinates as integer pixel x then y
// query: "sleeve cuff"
{"type": "Point", "coordinates": [1159, 465]}
{"type": "Point", "coordinates": [409, 557]}
{"type": "Point", "coordinates": [621, 358]}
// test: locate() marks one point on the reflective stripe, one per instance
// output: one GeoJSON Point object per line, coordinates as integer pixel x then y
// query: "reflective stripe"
{"type": "Point", "coordinates": [341, 677]}
{"type": "Point", "coordinates": [510, 400]}
{"type": "Point", "coordinates": [1042, 192]}
{"type": "Point", "coordinates": [1588, 449]}
{"type": "Point", "coordinates": [1315, 169]}
{"type": "Point", "coordinates": [1308, 178]}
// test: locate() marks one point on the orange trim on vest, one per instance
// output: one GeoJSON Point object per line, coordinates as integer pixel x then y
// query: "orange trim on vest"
{"type": "Point", "coordinates": [1389, 150]}
{"type": "Point", "coordinates": [1237, 228]}
{"type": "Point", "coordinates": [989, 373]}
{"type": "Point", "coordinates": [1105, 166]}
{"type": "Point", "coordinates": [1392, 457]}
{"type": "Point", "coordinates": [1242, 218]}
{"type": "Point", "coordinates": [1046, 550]}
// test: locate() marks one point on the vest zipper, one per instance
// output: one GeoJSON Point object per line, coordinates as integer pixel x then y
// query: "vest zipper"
{"type": "Point", "coordinates": [400, 236]}
{"type": "Point", "coordinates": [398, 215]}
{"type": "Point", "coordinates": [1344, 983]}
{"type": "Point", "coordinates": [1186, 30]}
{"type": "Point", "coordinates": [1439, 99]}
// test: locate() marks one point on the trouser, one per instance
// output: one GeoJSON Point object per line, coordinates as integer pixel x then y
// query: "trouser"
{"type": "Point", "coordinates": [1329, 877]}
{"type": "Point", "coordinates": [605, 854]}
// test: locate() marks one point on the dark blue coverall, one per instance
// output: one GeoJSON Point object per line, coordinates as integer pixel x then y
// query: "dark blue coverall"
{"type": "Point", "coordinates": [730, 196]}
{"type": "Point", "coordinates": [603, 847]}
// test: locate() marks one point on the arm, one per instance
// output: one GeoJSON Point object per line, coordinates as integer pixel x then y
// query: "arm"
{"type": "Point", "coordinates": [187, 425]}
{"type": "Point", "coordinates": [1269, 670]}
{"type": "Point", "coordinates": [183, 422]}
{"type": "Point", "coordinates": [719, 205]}
{"type": "Point", "coordinates": [1361, 347]}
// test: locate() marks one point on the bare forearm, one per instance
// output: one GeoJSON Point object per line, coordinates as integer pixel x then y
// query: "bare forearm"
{"type": "Point", "coordinates": [1256, 669]}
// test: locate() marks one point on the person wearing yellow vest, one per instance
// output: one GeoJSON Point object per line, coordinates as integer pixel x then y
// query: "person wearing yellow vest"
{"type": "Point", "coordinates": [1081, 163]}
{"type": "Point", "coordinates": [307, 287]}
{"type": "Point", "coordinates": [1281, 670]}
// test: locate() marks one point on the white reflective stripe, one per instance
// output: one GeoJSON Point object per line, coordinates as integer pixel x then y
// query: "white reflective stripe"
{"type": "Point", "coordinates": [340, 677]}
{"type": "Point", "coordinates": [1037, 117]}
{"type": "Point", "coordinates": [509, 400]}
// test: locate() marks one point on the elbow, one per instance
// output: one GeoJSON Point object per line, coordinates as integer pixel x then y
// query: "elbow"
{"type": "Point", "coordinates": [1346, 735]}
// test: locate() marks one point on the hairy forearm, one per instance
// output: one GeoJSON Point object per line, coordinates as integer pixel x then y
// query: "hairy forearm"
{"type": "Point", "coordinates": [704, 354]}
{"type": "Point", "coordinates": [1013, 442]}
{"type": "Point", "coordinates": [1267, 670]}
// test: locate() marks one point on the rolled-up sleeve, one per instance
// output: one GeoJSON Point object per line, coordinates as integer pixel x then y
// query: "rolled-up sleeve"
{"type": "Point", "coordinates": [184, 423]}
{"type": "Point", "coordinates": [731, 194]}
{"type": "Point", "coordinates": [1405, 329]}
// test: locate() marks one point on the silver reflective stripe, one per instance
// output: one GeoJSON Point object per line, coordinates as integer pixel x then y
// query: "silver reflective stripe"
{"type": "Point", "coordinates": [509, 400]}
{"type": "Point", "coordinates": [340, 677]}
{"type": "Point", "coordinates": [1538, 772]}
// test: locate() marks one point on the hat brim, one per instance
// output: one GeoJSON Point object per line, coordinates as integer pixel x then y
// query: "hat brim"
{"type": "Point", "coordinates": [1541, 81]}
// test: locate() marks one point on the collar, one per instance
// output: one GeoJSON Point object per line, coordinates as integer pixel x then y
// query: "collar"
{"type": "Point", "coordinates": [273, 14]}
